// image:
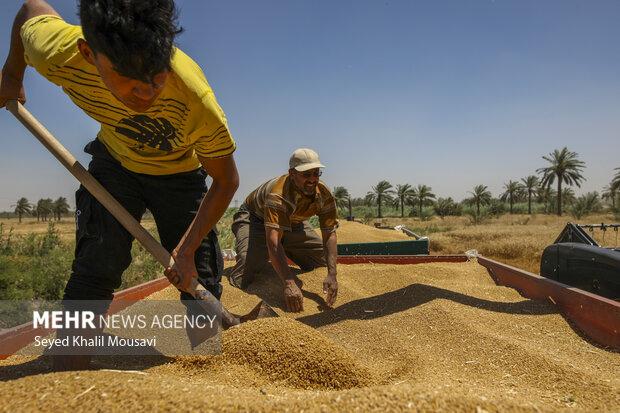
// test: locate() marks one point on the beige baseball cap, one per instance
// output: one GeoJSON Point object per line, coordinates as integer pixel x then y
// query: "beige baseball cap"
{"type": "Point", "coordinates": [304, 159]}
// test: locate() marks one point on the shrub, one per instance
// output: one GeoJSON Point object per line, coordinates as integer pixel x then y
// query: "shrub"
{"type": "Point", "coordinates": [5, 240]}
{"type": "Point", "coordinates": [427, 213]}
{"type": "Point", "coordinates": [586, 204]}
{"type": "Point", "coordinates": [496, 208]}
{"type": "Point", "coordinates": [446, 206]}
{"type": "Point", "coordinates": [476, 218]}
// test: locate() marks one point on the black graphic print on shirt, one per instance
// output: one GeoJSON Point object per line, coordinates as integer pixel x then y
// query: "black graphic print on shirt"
{"type": "Point", "coordinates": [156, 133]}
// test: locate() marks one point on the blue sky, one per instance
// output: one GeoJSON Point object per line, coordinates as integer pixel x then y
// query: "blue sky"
{"type": "Point", "coordinates": [449, 94]}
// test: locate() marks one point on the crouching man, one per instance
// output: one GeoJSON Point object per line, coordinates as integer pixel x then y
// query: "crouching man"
{"type": "Point", "coordinates": [272, 224]}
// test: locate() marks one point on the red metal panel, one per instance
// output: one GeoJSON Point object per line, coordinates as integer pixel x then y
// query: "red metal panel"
{"type": "Point", "coordinates": [399, 259]}
{"type": "Point", "coordinates": [597, 317]}
{"type": "Point", "coordinates": [11, 340]}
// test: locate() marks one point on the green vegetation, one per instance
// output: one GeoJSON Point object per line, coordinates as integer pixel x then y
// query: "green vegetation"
{"type": "Point", "coordinates": [382, 193]}
{"type": "Point", "coordinates": [564, 166]}
{"type": "Point", "coordinates": [586, 204]}
{"type": "Point", "coordinates": [422, 196]}
{"type": "Point", "coordinates": [529, 195]}
{"type": "Point", "coordinates": [404, 195]}
{"type": "Point", "coordinates": [22, 207]}
{"type": "Point", "coordinates": [37, 266]}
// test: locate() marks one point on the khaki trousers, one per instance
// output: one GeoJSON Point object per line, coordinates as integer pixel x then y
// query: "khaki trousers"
{"type": "Point", "coordinates": [302, 245]}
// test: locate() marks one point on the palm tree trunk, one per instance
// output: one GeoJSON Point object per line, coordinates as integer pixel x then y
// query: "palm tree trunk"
{"type": "Point", "coordinates": [402, 207]}
{"type": "Point", "coordinates": [511, 202]}
{"type": "Point", "coordinates": [420, 209]}
{"type": "Point", "coordinates": [379, 206]}
{"type": "Point", "coordinates": [529, 203]}
{"type": "Point", "coordinates": [350, 209]}
{"type": "Point", "coordinates": [559, 196]}
{"type": "Point", "coordinates": [20, 217]}
{"type": "Point", "coordinates": [478, 208]}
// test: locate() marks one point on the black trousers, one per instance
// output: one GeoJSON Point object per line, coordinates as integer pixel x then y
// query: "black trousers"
{"type": "Point", "coordinates": [103, 246]}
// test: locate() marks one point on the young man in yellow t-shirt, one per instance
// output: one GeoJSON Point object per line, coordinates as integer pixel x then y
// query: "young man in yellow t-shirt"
{"type": "Point", "coordinates": [162, 132]}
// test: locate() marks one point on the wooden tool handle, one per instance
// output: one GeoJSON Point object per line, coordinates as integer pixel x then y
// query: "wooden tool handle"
{"type": "Point", "coordinates": [98, 191]}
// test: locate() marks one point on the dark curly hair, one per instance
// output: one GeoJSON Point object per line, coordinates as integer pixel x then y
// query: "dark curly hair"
{"type": "Point", "coordinates": [136, 35]}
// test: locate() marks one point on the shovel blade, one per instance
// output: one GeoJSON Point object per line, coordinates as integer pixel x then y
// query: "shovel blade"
{"type": "Point", "coordinates": [262, 310]}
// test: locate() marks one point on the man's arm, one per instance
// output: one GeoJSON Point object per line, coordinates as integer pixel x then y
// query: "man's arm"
{"type": "Point", "coordinates": [330, 248]}
{"type": "Point", "coordinates": [292, 294]}
{"type": "Point", "coordinates": [12, 76]}
{"type": "Point", "coordinates": [225, 183]}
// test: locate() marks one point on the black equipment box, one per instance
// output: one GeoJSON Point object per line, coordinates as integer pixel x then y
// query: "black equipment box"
{"type": "Point", "coordinates": [577, 260]}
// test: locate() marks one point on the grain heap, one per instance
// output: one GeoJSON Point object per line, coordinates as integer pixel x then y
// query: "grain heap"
{"type": "Point", "coordinates": [289, 353]}
{"type": "Point", "coordinates": [349, 232]}
{"type": "Point", "coordinates": [432, 337]}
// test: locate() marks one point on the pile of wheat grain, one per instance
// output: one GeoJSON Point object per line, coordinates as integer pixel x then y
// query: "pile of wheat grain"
{"type": "Point", "coordinates": [350, 232]}
{"type": "Point", "coordinates": [432, 337]}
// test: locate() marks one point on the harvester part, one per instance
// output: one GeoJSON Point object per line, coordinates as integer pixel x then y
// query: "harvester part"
{"type": "Point", "coordinates": [575, 233]}
{"type": "Point", "coordinates": [597, 317]}
{"type": "Point", "coordinates": [588, 267]}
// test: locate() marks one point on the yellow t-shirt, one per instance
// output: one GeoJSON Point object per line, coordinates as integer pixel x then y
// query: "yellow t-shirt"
{"type": "Point", "coordinates": [184, 121]}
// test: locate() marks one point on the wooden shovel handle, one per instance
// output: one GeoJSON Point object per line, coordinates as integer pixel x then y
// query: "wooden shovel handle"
{"type": "Point", "coordinates": [100, 193]}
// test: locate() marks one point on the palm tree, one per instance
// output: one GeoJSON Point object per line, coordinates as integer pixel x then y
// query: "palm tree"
{"type": "Point", "coordinates": [586, 204]}
{"type": "Point", "coordinates": [446, 206]}
{"type": "Point", "coordinates": [404, 193]}
{"type": "Point", "coordinates": [530, 184]}
{"type": "Point", "coordinates": [480, 196]}
{"type": "Point", "coordinates": [423, 196]}
{"type": "Point", "coordinates": [380, 194]}
{"type": "Point", "coordinates": [568, 196]}
{"type": "Point", "coordinates": [616, 179]}
{"type": "Point", "coordinates": [545, 195]}
{"type": "Point", "coordinates": [342, 198]}
{"type": "Point", "coordinates": [44, 208]}
{"type": "Point", "coordinates": [566, 168]}
{"type": "Point", "coordinates": [59, 207]}
{"type": "Point", "coordinates": [513, 190]}
{"type": "Point", "coordinates": [35, 212]}
{"type": "Point", "coordinates": [22, 207]}
{"type": "Point", "coordinates": [610, 192]}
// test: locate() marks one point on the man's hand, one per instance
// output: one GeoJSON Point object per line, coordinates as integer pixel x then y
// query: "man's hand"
{"type": "Point", "coordinates": [330, 287]}
{"type": "Point", "coordinates": [293, 298]}
{"type": "Point", "coordinates": [183, 272]}
{"type": "Point", "coordinates": [11, 88]}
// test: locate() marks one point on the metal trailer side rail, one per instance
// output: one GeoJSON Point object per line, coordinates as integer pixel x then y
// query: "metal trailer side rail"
{"type": "Point", "coordinates": [399, 259]}
{"type": "Point", "coordinates": [14, 339]}
{"type": "Point", "coordinates": [595, 316]}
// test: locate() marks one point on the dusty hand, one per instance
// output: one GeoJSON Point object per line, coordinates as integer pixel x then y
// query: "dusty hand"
{"type": "Point", "coordinates": [183, 272]}
{"type": "Point", "coordinates": [330, 287]}
{"type": "Point", "coordinates": [293, 298]}
{"type": "Point", "coordinates": [11, 88]}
